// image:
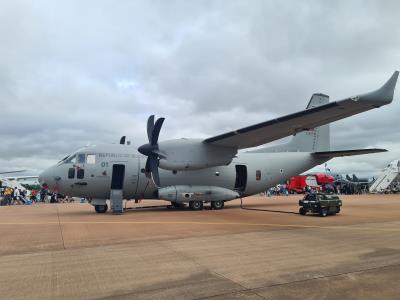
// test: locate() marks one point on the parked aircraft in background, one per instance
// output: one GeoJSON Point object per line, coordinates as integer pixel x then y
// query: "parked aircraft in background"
{"type": "Point", "coordinates": [211, 170]}
{"type": "Point", "coordinates": [15, 181]}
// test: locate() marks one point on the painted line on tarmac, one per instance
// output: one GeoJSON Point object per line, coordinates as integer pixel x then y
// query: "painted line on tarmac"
{"type": "Point", "coordinates": [350, 227]}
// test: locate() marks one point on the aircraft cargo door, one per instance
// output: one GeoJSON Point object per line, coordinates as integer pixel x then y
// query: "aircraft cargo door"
{"type": "Point", "coordinates": [241, 178]}
{"type": "Point", "coordinates": [117, 179]}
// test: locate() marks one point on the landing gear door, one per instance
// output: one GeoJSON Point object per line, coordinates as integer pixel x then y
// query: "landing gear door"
{"type": "Point", "coordinates": [241, 178]}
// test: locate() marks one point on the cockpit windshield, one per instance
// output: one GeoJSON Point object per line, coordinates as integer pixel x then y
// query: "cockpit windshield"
{"type": "Point", "coordinates": [71, 159]}
{"type": "Point", "coordinates": [65, 158]}
{"type": "Point", "coordinates": [79, 157]}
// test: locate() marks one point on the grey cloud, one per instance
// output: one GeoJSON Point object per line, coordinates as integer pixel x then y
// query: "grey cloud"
{"type": "Point", "coordinates": [74, 72]}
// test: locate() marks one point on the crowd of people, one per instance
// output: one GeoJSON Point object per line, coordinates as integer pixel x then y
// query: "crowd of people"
{"type": "Point", "coordinates": [14, 195]}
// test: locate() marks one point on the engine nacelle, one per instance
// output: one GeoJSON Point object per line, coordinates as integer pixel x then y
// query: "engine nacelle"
{"type": "Point", "coordinates": [187, 193]}
{"type": "Point", "coordinates": [193, 154]}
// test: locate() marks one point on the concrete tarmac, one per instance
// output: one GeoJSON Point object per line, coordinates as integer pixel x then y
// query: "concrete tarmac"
{"type": "Point", "coordinates": [265, 251]}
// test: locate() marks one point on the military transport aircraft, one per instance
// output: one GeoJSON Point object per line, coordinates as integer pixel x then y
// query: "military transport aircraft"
{"type": "Point", "coordinates": [197, 171]}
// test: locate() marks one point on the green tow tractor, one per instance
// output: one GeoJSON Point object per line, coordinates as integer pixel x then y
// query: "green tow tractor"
{"type": "Point", "coordinates": [322, 204]}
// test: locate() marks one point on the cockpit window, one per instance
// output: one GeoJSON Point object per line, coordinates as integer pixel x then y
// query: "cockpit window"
{"type": "Point", "coordinates": [81, 158]}
{"type": "Point", "coordinates": [71, 159]}
{"type": "Point", "coordinates": [65, 158]}
{"type": "Point", "coordinates": [91, 159]}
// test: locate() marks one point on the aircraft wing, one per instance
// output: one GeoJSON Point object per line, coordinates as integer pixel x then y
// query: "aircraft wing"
{"type": "Point", "coordinates": [339, 153]}
{"type": "Point", "coordinates": [275, 129]}
{"type": "Point", "coordinates": [11, 172]}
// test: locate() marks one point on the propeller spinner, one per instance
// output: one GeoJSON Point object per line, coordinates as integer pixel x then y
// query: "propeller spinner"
{"type": "Point", "coordinates": [151, 149]}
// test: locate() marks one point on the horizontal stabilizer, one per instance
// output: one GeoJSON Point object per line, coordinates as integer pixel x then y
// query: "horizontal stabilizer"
{"type": "Point", "coordinates": [339, 153]}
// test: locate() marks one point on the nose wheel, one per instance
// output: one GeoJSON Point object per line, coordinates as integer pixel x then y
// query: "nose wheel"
{"type": "Point", "coordinates": [101, 209]}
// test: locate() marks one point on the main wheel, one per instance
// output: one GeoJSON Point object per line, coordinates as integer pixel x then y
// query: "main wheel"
{"type": "Point", "coordinates": [196, 205]}
{"type": "Point", "coordinates": [101, 209]}
{"type": "Point", "coordinates": [217, 204]}
{"type": "Point", "coordinates": [178, 205]}
{"type": "Point", "coordinates": [302, 211]}
{"type": "Point", "coordinates": [323, 212]}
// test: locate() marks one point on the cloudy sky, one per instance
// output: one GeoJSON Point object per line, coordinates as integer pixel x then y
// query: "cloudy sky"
{"type": "Point", "coordinates": [79, 72]}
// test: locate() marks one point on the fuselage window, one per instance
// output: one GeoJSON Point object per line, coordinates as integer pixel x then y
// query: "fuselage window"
{"type": "Point", "coordinates": [91, 159]}
{"type": "Point", "coordinates": [258, 175]}
{"type": "Point", "coordinates": [71, 173]}
{"type": "Point", "coordinates": [81, 158]}
{"type": "Point", "coordinates": [80, 174]}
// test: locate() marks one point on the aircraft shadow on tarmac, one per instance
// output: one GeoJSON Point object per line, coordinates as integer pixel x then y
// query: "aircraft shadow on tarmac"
{"type": "Point", "coordinates": [168, 208]}
{"type": "Point", "coordinates": [271, 210]}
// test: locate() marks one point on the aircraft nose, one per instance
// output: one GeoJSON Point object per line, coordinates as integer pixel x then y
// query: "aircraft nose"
{"type": "Point", "coordinates": [46, 178]}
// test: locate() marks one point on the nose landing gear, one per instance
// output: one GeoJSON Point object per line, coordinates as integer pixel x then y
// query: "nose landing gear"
{"type": "Point", "coordinates": [101, 209]}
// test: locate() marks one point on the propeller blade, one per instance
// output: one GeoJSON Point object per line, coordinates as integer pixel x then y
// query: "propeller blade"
{"type": "Point", "coordinates": [122, 140]}
{"type": "Point", "coordinates": [147, 169]}
{"type": "Point", "coordinates": [154, 170]}
{"type": "Point", "coordinates": [150, 127]}
{"type": "Point", "coordinates": [159, 153]}
{"type": "Point", "coordinates": [156, 131]}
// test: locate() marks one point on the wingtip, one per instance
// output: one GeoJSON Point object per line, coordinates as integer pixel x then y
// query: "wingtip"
{"type": "Point", "coordinates": [392, 80]}
{"type": "Point", "coordinates": [387, 90]}
{"type": "Point", "coordinates": [383, 95]}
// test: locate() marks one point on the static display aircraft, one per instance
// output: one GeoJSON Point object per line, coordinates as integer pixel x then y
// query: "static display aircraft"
{"type": "Point", "coordinates": [197, 171]}
{"type": "Point", "coordinates": [14, 180]}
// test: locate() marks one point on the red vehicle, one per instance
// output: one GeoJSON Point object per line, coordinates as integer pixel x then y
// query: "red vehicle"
{"type": "Point", "coordinates": [323, 178]}
{"type": "Point", "coordinates": [298, 184]}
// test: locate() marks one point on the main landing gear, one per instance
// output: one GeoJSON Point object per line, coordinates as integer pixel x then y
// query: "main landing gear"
{"type": "Point", "coordinates": [217, 204]}
{"type": "Point", "coordinates": [198, 205]}
{"type": "Point", "coordinates": [101, 209]}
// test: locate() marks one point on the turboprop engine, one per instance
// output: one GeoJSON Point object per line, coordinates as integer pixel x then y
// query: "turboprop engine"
{"type": "Point", "coordinates": [193, 154]}
{"type": "Point", "coordinates": [180, 154]}
{"type": "Point", "coordinates": [187, 193]}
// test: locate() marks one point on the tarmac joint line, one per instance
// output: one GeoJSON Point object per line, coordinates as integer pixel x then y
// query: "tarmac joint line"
{"type": "Point", "coordinates": [59, 223]}
{"type": "Point", "coordinates": [253, 290]}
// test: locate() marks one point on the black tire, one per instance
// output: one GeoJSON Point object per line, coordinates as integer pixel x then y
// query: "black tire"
{"type": "Point", "coordinates": [196, 205]}
{"type": "Point", "coordinates": [323, 212]}
{"type": "Point", "coordinates": [101, 209]}
{"type": "Point", "coordinates": [302, 211]}
{"type": "Point", "coordinates": [178, 205]}
{"type": "Point", "coordinates": [337, 209]}
{"type": "Point", "coordinates": [217, 204]}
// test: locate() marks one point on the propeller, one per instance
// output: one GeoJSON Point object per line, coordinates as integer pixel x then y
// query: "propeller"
{"type": "Point", "coordinates": [151, 149]}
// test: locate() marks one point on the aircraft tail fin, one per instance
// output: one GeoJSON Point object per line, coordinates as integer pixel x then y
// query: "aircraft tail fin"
{"type": "Point", "coordinates": [316, 139]}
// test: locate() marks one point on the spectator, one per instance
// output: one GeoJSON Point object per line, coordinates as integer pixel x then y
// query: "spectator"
{"type": "Point", "coordinates": [33, 195]}
{"type": "Point", "coordinates": [8, 194]}
{"type": "Point", "coordinates": [43, 194]}
{"type": "Point", "coordinates": [16, 194]}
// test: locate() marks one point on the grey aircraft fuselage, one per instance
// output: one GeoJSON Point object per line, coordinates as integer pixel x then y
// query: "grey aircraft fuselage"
{"type": "Point", "coordinates": [211, 170]}
{"type": "Point", "coordinates": [93, 179]}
